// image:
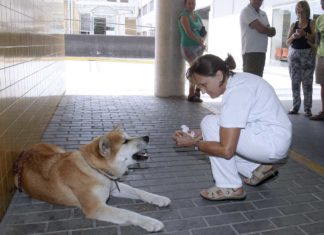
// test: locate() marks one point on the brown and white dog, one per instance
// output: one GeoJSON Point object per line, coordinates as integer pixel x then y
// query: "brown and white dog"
{"type": "Point", "coordinates": [86, 178]}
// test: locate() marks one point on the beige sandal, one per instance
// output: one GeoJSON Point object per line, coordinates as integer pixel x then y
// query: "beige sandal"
{"type": "Point", "coordinates": [221, 194]}
{"type": "Point", "coordinates": [262, 174]}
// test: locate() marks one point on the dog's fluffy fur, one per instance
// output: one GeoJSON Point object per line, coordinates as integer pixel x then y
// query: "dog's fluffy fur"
{"type": "Point", "coordinates": [51, 174]}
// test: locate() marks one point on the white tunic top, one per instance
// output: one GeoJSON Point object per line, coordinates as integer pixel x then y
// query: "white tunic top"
{"type": "Point", "coordinates": [251, 39]}
{"type": "Point", "coordinates": [249, 102]}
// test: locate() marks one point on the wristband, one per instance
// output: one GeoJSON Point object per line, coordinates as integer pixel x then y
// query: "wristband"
{"type": "Point", "coordinates": [197, 144]}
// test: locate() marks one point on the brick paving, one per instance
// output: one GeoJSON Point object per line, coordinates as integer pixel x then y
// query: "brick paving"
{"type": "Point", "coordinates": [291, 204]}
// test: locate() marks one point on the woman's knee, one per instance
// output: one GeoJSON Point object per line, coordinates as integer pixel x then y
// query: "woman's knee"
{"type": "Point", "coordinates": [210, 127]}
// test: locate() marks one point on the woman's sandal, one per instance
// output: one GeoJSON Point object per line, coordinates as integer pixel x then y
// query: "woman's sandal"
{"type": "Point", "coordinates": [262, 174]}
{"type": "Point", "coordinates": [222, 194]}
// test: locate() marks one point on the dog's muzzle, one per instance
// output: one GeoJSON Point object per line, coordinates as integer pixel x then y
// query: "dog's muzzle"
{"type": "Point", "coordinates": [141, 156]}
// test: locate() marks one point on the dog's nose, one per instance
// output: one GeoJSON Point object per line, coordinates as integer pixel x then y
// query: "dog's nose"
{"type": "Point", "coordinates": [146, 139]}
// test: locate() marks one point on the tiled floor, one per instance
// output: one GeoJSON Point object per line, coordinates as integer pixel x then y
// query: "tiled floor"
{"type": "Point", "coordinates": [291, 204]}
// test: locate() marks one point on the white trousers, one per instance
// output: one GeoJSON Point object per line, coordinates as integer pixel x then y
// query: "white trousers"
{"type": "Point", "coordinates": [253, 149]}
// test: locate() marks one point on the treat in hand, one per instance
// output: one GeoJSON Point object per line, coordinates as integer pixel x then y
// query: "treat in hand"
{"type": "Point", "coordinates": [186, 129]}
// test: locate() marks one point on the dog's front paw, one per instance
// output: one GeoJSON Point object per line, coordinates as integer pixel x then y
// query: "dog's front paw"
{"type": "Point", "coordinates": [152, 225]}
{"type": "Point", "coordinates": [162, 201]}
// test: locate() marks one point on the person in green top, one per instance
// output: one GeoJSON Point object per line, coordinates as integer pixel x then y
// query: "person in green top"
{"type": "Point", "coordinates": [191, 43]}
{"type": "Point", "coordinates": [319, 70]}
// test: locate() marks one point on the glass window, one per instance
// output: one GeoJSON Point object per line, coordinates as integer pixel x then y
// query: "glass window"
{"type": "Point", "coordinates": [151, 5]}
{"type": "Point", "coordinates": [144, 11]}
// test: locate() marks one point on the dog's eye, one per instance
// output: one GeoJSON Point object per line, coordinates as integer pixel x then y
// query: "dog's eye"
{"type": "Point", "coordinates": [125, 141]}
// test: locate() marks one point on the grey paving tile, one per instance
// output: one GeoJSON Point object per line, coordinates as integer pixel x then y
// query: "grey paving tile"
{"type": "Point", "coordinates": [301, 198]}
{"type": "Point", "coordinates": [290, 220]}
{"type": "Point", "coordinates": [69, 224]}
{"type": "Point", "coordinates": [297, 208]}
{"type": "Point", "coordinates": [177, 233]}
{"type": "Point", "coordinates": [224, 230]}
{"type": "Point", "coordinates": [320, 195]}
{"type": "Point", "coordinates": [274, 202]}
{"type": "Point", "coordinates": [28, 208]}
{"type": "Point", "coordinates": [139, 207]}
{"type": "Point", "coordinates": [199, 211]}
{"type": "Point", "coordinates": [55, 233]}
{"type": "Point", "coordinates": [236, 206]}
{"type": "Point", "coordinates": [309, 179]}
{"type": "Point", "coordinates": [305, 189]}
{"type": "Point", "coordinates": [318, 205]}
{"type": "Point", "coordinates": [313, 228]}
{"type": "Point", "coordinates": [96, 231]}
{"type": "Point", "coordinates": [225, 219]}
{"type": "Point", "coordinates": [184, 224]}
{"type": "Point", "coordinates": [164, 215]}
{"type": "Point", "coordinates": [255, 226]}
{"type": "Point", "coordinates": [24, 229]}
{"type": "Point", "coordinates": [285, 231]}
{"type": "Point", "coordinates": [277, 193]}
{"type": "Point", "coordinates": [39, 217]}
{"type": "Point", "coordinates": [316, 216]}
{"type": "Point", "coordinates": [262, 214]}
{"type": "Point", "coordinates": [181, 203]}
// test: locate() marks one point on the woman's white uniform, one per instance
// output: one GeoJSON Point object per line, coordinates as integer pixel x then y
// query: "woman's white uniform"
{"type": "Point", "coordinates": [251, 104]}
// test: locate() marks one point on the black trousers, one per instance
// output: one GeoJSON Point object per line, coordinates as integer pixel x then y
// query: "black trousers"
{"type": "Point", "coordinates": [254, 62]}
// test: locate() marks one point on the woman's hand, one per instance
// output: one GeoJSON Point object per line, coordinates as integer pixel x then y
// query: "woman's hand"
{"type": "Point", "coordinates": [271, 31]}
{"type": "Point", "coordinates": [183, 139]}
{"type": "Point", "coordinates": [198, 133]}
{"type": "Point", "coordinates": [202, 41]}
{"type": "Point", "coordinates": [296, 36]}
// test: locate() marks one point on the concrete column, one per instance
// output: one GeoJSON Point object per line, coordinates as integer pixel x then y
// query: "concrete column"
{"type": "Point", "coordinates": [169, 64]}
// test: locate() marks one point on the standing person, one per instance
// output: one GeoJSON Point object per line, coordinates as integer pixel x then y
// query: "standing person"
{"type": "Point", "coordinates": [319, 73]}
{"type": "Point", "coordinates": [192, 43]}
{"type": "Point", "coordinates": [301, 57]}
{"type": "Point", "coordinates": [250, 136]}
{"type": "Point", "coordinates": [255, 30]}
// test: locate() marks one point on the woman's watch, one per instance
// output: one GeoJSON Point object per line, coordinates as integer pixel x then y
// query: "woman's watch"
{"type": "Point", "coordinates": [197, 144]}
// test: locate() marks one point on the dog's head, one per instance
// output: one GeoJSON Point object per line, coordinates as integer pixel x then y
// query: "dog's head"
{"type": "Point", "coordinates": [115, 151]}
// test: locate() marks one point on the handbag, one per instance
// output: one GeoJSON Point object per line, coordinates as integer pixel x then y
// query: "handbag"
{"type": "Point", "coordinates": [202, 31]}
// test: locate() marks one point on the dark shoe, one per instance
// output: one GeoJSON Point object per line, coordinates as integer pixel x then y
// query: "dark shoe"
{"type": "Point", "coordinates": [195, 99]}
{"type": "Point", "coordinates": [318, 117]}
{"type": "Point", "coordinates": [308, 113]}
{"type": "Point", "coordinates": [293, 111]}
{"type": "Point", "coordinates": [197, 92]}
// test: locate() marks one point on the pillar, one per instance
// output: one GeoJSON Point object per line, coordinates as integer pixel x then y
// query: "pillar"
{"type": "Point", "coordinates": [169, 64]}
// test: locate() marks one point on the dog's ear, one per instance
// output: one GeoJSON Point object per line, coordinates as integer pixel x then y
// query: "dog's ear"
{"type": "Point", "coordinates": [117, 127]}
{"type": "Point", "coordinates": [104, 148]}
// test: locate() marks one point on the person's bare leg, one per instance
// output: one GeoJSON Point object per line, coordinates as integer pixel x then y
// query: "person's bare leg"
{"type": "Point", "coordinates": [191, 90]}
{"type": "Point", "coordinates": [320, 116]}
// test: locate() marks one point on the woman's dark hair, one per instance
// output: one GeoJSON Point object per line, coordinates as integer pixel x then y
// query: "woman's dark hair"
{"type": "Point", "coordinates": [208, 65]}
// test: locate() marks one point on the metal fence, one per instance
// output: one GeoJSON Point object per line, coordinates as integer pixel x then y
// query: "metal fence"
{"type": "Point", "coordinates": [100, 25]}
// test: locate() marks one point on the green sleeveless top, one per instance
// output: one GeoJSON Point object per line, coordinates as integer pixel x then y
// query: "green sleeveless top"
{"type": "Point", "coordinates": [319, 28]}
{"type": "Point", "coordinates": [195, 26]}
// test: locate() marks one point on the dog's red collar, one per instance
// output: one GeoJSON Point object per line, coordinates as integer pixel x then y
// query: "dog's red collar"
{"type": "Point", "coordinates": [19, 167]}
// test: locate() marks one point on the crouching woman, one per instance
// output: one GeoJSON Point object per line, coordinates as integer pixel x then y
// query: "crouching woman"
{"type": "Point", "coordinates": [251, 135]}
